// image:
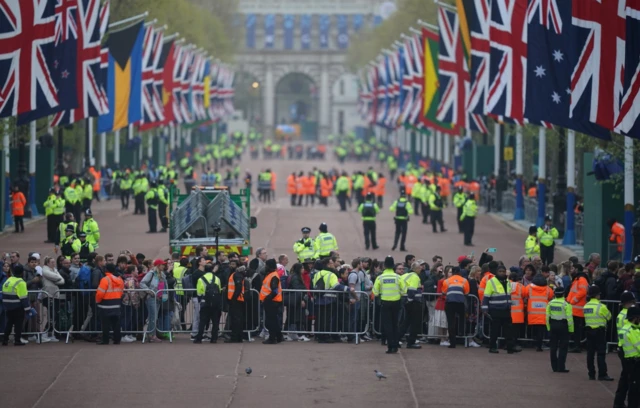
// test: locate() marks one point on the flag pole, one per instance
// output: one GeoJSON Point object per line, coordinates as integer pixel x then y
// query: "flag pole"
{"type": "Point", "coordinates": [425, 24]}
{"type": "Point", "coordinates": [170, 37]}
{"type": "Point", "coordinates": [445, 5]}
{"type": "Point", "coordinates": [414, 30]}
{"type": "Point", "coordinates": [151, 22]}
{"type": "Point", "coordinates": [129, 20]}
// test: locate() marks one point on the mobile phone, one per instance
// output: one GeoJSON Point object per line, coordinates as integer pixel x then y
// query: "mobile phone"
{"type": "Point", "coordinates": [491, 250]}
{"type": "Point", "coordinates": [472, 254]}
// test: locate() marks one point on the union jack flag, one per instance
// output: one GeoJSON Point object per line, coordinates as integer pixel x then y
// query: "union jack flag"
{"type": "Point", "coordinates": [597, 57]}
{"type": "Point", "coordinates": [226, 92]}
{"type": "Point", "coordinates": [363, 94]}
{"type": "Point", "coordinates": [382, 91]}
{"type": "Point", "coordinates": [66, 24]}
{"type": "Point", "coordinates": [628, 122]}
{"type": "Point", "coordinates": [452, 71]}
{"type": "Point", "coordinates": [395, 76]}
{"type": "Point", "coordinates": [27, 35]}
{"type": "Point", "coordinates": [89, 80]}
{"type": "Point", "coordinates": [417, 54]}
{"type": "Point", "coordinates": [186, 71]}
{"type": "Point", "coordinates": [213, 93]}
{"type": "Point", "coordinates": [407, 91]}
{"type": "Point", "coordinates": [507, 59]}
{"type": "Point", "coordinates": [372, 83]}
{"type": "Point", "coordinates": [197, 87]}
{"type": "Point", "coordinates": [151, 50]}
{"type": "Point", "coordinates": [158, 79]}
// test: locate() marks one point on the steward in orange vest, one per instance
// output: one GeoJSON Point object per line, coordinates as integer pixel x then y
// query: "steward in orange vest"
{"type": "Point", "coordinates": [17, 208]}
{"type": "Point", "coordinates": [109, 302]}
{"type": "Point", "coordinates": [235, 295]}
{"type": "Point", "coordinates": [578, 298]}
{"type": "Point", "coordinates": [538, 295]}
{"type": "Point", "coordinates": [271, 298]}
{"type": "Point", "coordinates": [292, 188]}
{"type": "Point", "coordinates": [517, 302]}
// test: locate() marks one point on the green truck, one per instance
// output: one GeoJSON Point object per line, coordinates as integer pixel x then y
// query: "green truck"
{"type": "Point", "coordinates": [211, 217]}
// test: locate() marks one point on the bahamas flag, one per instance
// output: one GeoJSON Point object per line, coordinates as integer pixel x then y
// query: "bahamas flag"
{"type": "Point", "coordinates": [124, 78]}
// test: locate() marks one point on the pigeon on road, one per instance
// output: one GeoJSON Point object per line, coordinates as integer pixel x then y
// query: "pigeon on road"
{"type": "Point", "coordinates": [379, 375]}
{"type": "Point", "coordinates": [248, 370]}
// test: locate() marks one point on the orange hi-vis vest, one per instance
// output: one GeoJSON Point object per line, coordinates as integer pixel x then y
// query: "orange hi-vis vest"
{"type": "Point", "coordinates": [578, 295]}
{"type": "Point", "coordinates": [517, 303]}
{"type": "Point", "coordinates": [617, 235]}
{"type": "Point", "coordinates": [109, 293]}
{"type": "Point", "coordinates": [380, 187]}
{"type": "Point", "coordinates": [231, 289]}
{"type": "Point", "coordinates": [483, 284]}
{"type": "Point", "coordinates": [292, 185]}
{"type": "Point", "coordinates": [537, 299]}
{"type": "Point", "coordinates": [266, 287]}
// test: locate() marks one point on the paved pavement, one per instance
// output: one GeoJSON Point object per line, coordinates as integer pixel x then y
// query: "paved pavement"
{"type": "Point", "coordinates": [291, 375]}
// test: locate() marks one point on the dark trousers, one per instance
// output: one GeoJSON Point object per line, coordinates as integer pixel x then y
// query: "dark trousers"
{"type": "Point", "coordinates": [453, 310]}
{"type": "Point", "coordinates": [436, 219]}
{"type": "Point", "coordinates": [469, 226]}
{"type": "Point", "coordinates": [559, 344]}
{"type": "Point", "coordinates": [110, 322]}
{"type": "Point", "coordinates": [501, 324]}
{"type": "Point", "coordinates": [389, 316]}
{"type": "Point", "coordinates": [18, 222]}
{"type": "Point", "coordinates": [634, 384]}
{"type": "Point", "coordinates": [578, 330]}
{"type": "Point", "coordinates": [293, 199]}
{"type": "Point", "coordinates": [51, 227]}
{"type": "Point", "coordinates": [15, 319]}
{"type": "Point", "coordinates": [412, 320]}
{"type": "Point", "coordinates": [538, 331]}
{"type": "Point", "coordinates": [271, 320]}
{"type": "Point", "coordinates": [417, 203]}
{"type": "Point", "coordinates": [208, 313]}
{"type": "Point", "coordinates": [546, 253]}
{"type": "Point", "coordinates": [342, 200]}
{"type": "Point", "coordinates": [460, 228]}
{"type": "Point", "coordinates": [369, 234]}
{"type": "Point", "coordinates": [623, 385]}
{"type": "Point", "coordinates": [139, 204]}
{"type": "Point", "coordinates": [596, 346]}
{"type": "Point", "coordinates": [401, 230]}
{"type": "Point", "coordinates": [153, 222]}
{"type": "Point", "coordinates": [359, 196]}
{"type": "Point", "coordinates": [162, 214]}
{"type": "Point", "coordinates": [380, 200]}
{"type": "Point", "coordinates": [77, 211]}
{"type": "Point", "coordinates": [323, 320]}
{"type": "Point", "coordinates": [425, 213]}
{"type": "Point", "coordinates": [236, 315]}
{"type": "Point", "coordinates": [124, 199]}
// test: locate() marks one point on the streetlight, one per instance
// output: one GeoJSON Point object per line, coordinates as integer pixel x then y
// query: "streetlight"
{"type": "Point", "coordinates": [255, 85]}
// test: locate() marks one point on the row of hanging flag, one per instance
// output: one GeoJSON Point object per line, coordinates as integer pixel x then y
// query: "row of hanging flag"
{"type": "Point", "coordinates": [308, 24]}
{"type": "Point", "coordinates": [569, 63]}
{"type": "Point", "coordinates": [59, 58]}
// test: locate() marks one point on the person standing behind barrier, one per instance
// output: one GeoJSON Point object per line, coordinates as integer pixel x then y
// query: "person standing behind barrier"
{"type": "Point", "coordinates": [156, 284]}
{"type": "Point", "coordinates": [455, 289]}
{"type": "Point", "coordinates": [537, 295]}
{"type": "Point", "coordinates": [496, 304]}
{"type": "Point", "coordinates": [325, 303]}
{"type": "Point", "coordinates": [517, 305]}
{"type": "Point", "coordinates": [578, 298]}
{"type": "Point", "coordinates": [109, 303]}
{"type": "Point", "coordinates": [15, 302]}
{"type": "Point", "coordinates": [413, 307]}
{"type": "Point", "coordinates": [235, 295]}
{"type": "Point", "coordinates": [51, 282]}
{"type": "Point", "coordinates": [559, 321]}
{"type": "Point", "coordinates": [132, 312]}
{"type": "Point", "coordinates": [390, 288]}
{"type": "Point", "coordinates": [596, 316]}
{"type": "Point", "coordinates": [271, 298]}
{"type": "Point", "coordinates": [627, 301]}
{"type": "Point", "coordinates": [209, 289]}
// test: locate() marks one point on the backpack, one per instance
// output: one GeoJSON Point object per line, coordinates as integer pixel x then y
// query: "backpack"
{"type": "Point", "coordinates": [83, 280]}
{"type": "Point", "coordinates": [401, 209]}
{"type": "Point", "coordinates": [211, 292]}
{"type": "Point", "coordinates": [187, 284]}
{"type": "Point", "coordinates": [438, 202]}
{"type": "Point", "coordinates": [320, 285]}
{"type": "Point", "coordinates": [368, 210]}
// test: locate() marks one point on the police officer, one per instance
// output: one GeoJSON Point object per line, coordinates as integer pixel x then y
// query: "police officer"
{"type": "Point", "coordinates": [91, 228]}
{"type": "Point", "coordinates": [62, 228]}
{"type": "Point", "coordinates": [413, 306]}
{"type": "Point", "coordinates": [58, 214]}
{"type": "Point", "coordinates": [435, 207]}
{"type": "Point", "coordinates": [627, 302]}
{"type": "Point", "coordinates": [71, 198]}
{"type": "Point", "coordinates": [631, 349]}
{"type": "Point", "coordinates": [82, 247]}
{"type": "Point", "coordinates": [125, 191]}
{"type": "Point", "coordinates": [15, 301]}
{"type": "Point", "coordinates": [210, 306]}
{"type": "Point", "coordinates": [546, 236]}
{"type": "Point", "coordinates": [49, 206]}
{"type": "Point", "coordinates": [324, 243]}
{"type": "Point", "coordinates": [304, 246]}
{"type": "Point", "coordinates": [403, 209]}
{"type": "Point", "coordinates": [342, 190]}
{"type": "Point", "coordinates": [531, 246]}
{"type": "Point", "coordinates": [559, 325]}
{"type": "Point", "coordinates": [459, 199]}
{"type": "Point", "coordinates": [390, 287]}
{"type": "Point", "coordinates": [151, 197]}
{"type": "Point", "coordinates": [325, 308]}
{"type": "Point", "coordinates": [66, 245]}
{"type": "Point", "coordinates": [163, 205]}
{"type": "Point", "coordinates": [87, 194]}
{"type": "Point", "coordinates": [468, 218]}
{"type": "Point", "coordinates": [596, 316]}
{"type": "Point", "coordinates": [369, 209]}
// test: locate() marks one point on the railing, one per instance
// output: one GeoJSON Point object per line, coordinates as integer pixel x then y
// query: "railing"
{"type": "Point", "coordinates": [579, 228]}
{"type": "Point", "coordinates": [434, 322]}
{"type": "Point", "coordinates": [531, 210]}
{"type": "Point", "coordinates": [508, 203]}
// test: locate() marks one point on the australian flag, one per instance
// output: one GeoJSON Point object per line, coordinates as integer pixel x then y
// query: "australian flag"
{"type": "Point", "coordinates": [548, 89]}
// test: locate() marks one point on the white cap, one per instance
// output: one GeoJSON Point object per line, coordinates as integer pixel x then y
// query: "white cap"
{"type": "Point", "coordinates": [39, 270]}
{"type": "Point", "coordinates": [36, 255]}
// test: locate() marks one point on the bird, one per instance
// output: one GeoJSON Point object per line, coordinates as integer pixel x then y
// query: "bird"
{"type": "Point", "coordinates": [248, 370]}
{"type": "Point", "coordinates": [379, 375]}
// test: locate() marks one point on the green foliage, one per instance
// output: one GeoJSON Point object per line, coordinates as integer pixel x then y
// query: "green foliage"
{"type": "Point", "coordinates": [369, 43]}
{"type": "Point", "coordinates": [197, 21]}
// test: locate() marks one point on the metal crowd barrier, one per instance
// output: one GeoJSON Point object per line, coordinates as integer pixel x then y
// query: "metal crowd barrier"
{"type": "Point", "coordinates": [524, 331]}
{"type": "Point", "coordinates": [531, 210]}
{"type": "Point", "coordinates": [434, 324]}
{"type": "Point", "coordinates": [508, 203]}
{"type": "Point", "coordinates": [342, 313]}
{"type": "Point", "coordinates": [579, 228]}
